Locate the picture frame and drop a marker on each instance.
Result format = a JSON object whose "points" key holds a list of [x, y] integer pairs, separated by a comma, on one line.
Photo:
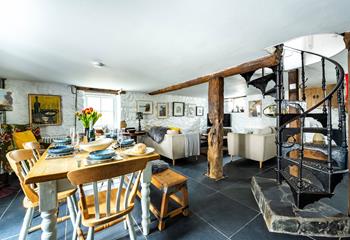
{"points": [[255, 108], [178, 109], [191, 110], [162, 110], [144, 106], [45, 110], [199, 111], [6, 100]]}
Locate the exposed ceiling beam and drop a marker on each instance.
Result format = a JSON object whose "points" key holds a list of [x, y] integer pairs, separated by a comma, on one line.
{"points": [[99, 90], [267, 61]]}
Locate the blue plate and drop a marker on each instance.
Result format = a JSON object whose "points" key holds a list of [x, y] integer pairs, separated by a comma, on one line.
{"points": [[62, 140], [127, 141], [60, 149], [101, 154]]}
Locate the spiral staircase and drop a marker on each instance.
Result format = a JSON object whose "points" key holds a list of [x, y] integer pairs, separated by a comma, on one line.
{"points": [[313, 178]]}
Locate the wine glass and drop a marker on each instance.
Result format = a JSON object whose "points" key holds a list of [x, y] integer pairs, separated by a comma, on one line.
{"points": [[120, 137], [72, 135]]}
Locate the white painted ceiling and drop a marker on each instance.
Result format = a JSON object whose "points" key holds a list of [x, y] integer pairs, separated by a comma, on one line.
{"points": [[147, 45]]}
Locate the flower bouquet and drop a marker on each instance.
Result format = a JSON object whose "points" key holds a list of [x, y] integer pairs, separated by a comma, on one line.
{"points": [[88, 118]]}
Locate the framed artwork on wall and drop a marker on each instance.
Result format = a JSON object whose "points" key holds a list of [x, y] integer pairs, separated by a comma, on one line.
{"points": [[191, 110], [162, 110], [6, 100], [146, 107], [199, 111], [255, 108], [45, 109], [178, 109]]}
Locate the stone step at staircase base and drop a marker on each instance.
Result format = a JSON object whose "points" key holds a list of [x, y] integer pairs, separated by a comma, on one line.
{"points": [[282, 216]]}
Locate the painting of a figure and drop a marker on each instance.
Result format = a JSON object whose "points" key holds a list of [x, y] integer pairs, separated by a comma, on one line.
{"points": [[45, 109]]}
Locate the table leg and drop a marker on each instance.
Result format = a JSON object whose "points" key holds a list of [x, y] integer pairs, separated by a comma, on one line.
{"points": [[48, 208], [145, 199]]}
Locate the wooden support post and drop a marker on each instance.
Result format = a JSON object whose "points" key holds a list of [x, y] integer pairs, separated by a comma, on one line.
{"points": [[215, 136], [347, 45], [293, 94]]}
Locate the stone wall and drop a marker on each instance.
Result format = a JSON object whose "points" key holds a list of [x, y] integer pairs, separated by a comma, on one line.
{"points": [[20, 90], [128, 111]]}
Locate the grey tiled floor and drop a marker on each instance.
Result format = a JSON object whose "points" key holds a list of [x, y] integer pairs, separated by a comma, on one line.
{"points": [[219, 210]]}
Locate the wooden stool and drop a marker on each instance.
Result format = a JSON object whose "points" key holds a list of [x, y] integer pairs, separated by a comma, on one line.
{"points": [[170, 182]]}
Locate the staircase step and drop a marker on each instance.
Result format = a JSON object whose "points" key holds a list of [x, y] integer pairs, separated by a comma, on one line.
{"points": [[317, 165], [338, 155], [307, 193], [262, 82], [271, 92], [320, 117], [336, 133]]}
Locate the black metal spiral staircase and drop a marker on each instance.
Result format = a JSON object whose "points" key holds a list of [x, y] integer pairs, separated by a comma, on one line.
{"points": [[315, 178]]}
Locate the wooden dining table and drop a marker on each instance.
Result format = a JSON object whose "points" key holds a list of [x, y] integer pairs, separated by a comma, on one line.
{"points": [[50, 174]]}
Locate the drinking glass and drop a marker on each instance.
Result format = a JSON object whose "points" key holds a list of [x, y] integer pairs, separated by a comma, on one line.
{"points": [[72, 135]]}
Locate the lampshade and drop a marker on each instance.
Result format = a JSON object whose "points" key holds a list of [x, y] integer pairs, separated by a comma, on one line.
{"points": [[123, 124], [139, 115]]}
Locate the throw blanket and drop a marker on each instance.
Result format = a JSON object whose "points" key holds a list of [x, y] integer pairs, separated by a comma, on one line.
{"points": [[157, 133], [192, 144], [159, 166]]}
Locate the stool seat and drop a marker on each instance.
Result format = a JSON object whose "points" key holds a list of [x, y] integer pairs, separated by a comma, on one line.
{"points": [[170, 183], [167, 178]]}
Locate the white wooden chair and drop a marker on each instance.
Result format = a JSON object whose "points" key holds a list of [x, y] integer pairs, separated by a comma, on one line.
{"points": [[21, 162], [105, 208], [35, 147]]}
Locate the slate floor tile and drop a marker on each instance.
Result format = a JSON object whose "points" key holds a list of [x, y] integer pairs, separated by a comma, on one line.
{"points": [[225, 214], [191, 227], [242, 193]]}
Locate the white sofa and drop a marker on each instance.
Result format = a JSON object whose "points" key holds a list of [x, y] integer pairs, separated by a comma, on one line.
{"points": [[257, 147], [172, 147]]}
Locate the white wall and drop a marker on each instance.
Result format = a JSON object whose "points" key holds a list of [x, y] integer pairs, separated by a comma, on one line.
{"points": [[241, 121], [128, 111], [20, 90]]}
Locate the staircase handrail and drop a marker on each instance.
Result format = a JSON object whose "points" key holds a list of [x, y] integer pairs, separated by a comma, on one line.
{"points": [[340, 81]]}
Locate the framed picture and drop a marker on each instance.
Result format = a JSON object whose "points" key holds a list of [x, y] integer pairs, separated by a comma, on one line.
{"points": [[45, 109], [255, 108], [6, 100], [199, 111], [146, 107], [162, 110], [191, 110], [178, 109]]}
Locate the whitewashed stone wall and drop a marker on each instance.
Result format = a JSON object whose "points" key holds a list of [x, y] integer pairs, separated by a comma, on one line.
{"points": [[20, 90], [240, 122], [128, 111]]}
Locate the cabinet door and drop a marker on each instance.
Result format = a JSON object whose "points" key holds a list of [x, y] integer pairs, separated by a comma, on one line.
{"points": [[313, 96]]}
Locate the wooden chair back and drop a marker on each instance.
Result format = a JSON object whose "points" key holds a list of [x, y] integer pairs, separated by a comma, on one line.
{"points": [[35, 147], [21, 161], [126, 175]]}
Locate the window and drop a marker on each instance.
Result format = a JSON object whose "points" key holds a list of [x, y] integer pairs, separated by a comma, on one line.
{"points": [[107, 105]]}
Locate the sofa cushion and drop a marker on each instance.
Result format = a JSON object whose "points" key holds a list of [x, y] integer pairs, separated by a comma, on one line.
{"points": [[262, 131], [22, 137], [172, 132], [177, 129]]}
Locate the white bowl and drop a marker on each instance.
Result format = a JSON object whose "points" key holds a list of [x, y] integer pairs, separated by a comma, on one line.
{"points": [[99, 144]]}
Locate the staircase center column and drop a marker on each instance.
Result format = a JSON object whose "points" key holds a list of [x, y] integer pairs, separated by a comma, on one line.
{"points": [[215, 136]]}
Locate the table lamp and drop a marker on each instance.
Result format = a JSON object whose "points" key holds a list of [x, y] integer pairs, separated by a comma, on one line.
{"points": [[123, 124], [139, 116]]}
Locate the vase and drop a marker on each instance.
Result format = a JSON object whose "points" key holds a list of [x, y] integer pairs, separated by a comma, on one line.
{"points": [[87, 133], [91, 135]]}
